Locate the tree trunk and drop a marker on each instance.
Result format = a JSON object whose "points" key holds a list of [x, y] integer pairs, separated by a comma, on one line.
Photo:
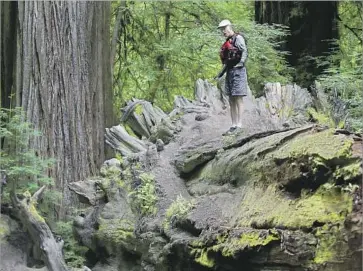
{"points": [[8, 40], [312, 25], [63, 82]]}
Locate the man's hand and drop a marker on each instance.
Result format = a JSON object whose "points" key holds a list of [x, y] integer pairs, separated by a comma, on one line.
{"points": [[221, 73]]}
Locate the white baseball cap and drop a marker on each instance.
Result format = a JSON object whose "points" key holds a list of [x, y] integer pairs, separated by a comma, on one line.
{"points": [[224, 23]]}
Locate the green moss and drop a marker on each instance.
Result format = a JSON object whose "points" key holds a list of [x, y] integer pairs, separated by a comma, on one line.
{"points": [[323, 206], [324, 144], [110, 185], [117, 232], [348, 172], [2, 231], [35, 213], [226, 167], [195, 157], [27, 195], [250, 162], [264, 205], [113, 180], [229, 139], [331, 246], [120, 158], [259, 177], [32, 206], [203, 259], [253, 239], [324, 250], [346, 148], [230, 245], [315, 152], [138, 109], [129, 130]]}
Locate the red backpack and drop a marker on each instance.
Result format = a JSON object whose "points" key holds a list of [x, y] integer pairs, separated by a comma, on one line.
{"points": [[229, 53]]}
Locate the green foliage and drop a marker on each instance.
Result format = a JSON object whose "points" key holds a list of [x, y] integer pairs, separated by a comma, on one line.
{"points": [[24, 168], [321, 118], [74, 254], [349, 172], [50, 198], [178, 210], [343, 75], [164, 47], [144, 197]]}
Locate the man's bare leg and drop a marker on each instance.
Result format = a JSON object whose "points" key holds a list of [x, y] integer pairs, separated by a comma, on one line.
{"points": [[234, 112], [239, 109]]}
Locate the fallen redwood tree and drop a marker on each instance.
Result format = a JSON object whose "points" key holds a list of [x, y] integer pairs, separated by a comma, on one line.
{"points": [[284, 193], [281, 194], [44, 244]]}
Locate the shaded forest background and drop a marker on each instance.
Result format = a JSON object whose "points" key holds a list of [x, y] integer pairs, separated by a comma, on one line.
{"points": [[71, 67]]}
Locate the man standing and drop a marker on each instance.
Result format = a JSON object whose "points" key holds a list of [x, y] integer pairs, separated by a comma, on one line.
{"points": [[233, 56]]}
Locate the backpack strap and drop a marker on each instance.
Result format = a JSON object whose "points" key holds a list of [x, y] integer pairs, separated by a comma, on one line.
{"points": [[234, 37]]}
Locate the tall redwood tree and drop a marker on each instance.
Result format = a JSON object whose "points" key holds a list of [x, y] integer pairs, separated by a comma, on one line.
{"points": [[55, 61]]}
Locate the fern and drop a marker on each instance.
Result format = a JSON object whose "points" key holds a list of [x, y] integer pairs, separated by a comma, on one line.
{"points": [[24, 169]]}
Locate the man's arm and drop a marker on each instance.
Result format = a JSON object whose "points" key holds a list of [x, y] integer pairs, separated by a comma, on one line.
{"points": [[241, 45], [221, 73]]}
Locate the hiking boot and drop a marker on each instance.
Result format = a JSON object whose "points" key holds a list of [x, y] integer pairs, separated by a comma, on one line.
{"points": [[231, 130]]}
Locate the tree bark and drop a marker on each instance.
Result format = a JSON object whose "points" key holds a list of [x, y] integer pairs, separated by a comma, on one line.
{"points": [[8, 39], [63, 82]]}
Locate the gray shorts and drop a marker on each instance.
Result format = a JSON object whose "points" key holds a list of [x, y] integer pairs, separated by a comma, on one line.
{"points": [[236, 82]]}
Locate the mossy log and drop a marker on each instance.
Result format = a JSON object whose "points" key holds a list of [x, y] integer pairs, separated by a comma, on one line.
{"points": [[40, 233], [279, 194]]}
